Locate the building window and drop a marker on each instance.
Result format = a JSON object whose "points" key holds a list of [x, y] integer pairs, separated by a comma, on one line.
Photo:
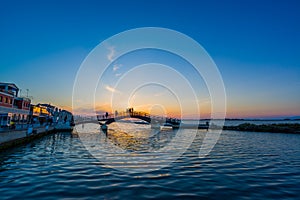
{"points": [[1, 99], [5, 100]]}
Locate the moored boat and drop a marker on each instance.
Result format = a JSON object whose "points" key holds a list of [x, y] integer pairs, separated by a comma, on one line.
{"points": [[166, 127]]}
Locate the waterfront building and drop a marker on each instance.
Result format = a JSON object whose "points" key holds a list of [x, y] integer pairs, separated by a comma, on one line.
{"points": [[40, 114], [47, 113], [13, 108]]}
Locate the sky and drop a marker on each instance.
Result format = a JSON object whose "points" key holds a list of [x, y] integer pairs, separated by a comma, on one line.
{"points": [[254, 44]]}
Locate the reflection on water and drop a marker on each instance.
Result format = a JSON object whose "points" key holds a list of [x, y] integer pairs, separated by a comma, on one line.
{"points": [[242, 165], [139, 137], [135, 148]]}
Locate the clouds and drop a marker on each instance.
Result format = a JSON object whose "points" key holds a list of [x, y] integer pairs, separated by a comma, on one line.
{"points": [[116, 67], [111, 89], [159, 94], [111, 54]]}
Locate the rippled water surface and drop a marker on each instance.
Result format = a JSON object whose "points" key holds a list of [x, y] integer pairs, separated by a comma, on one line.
{"points": [[242, 165]]}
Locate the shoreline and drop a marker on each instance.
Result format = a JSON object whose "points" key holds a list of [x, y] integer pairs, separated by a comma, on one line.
{"points": [[271, 128], [13, 138], [250, 127]]}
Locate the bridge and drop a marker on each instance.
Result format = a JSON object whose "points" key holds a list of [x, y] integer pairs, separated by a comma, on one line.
{"points": [[154, 120], [151, 119]]}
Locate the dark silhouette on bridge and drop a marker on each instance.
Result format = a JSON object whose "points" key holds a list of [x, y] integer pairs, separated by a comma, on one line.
{"points": [[151, 119]]}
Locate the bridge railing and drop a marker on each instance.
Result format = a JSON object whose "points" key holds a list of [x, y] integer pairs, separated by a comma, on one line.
{"points": [[137, 114]]}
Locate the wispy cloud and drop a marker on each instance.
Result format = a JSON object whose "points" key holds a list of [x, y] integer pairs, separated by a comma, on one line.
{"points": [[111, 89], [116, 67], [144, 107], [111, 54], [159, 94], [100, 109], [204, 100]]}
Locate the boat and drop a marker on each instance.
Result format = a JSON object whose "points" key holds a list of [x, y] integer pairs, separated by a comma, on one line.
{"points": [[141, 122], [166, 127]]}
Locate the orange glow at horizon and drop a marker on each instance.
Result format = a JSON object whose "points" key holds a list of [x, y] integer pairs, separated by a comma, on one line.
{"points": [[164, 106], [205, 111], [262, 110], [166, 110]]}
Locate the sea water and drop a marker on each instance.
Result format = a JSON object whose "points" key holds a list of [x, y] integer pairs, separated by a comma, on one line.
{"points": [[242, 165]]}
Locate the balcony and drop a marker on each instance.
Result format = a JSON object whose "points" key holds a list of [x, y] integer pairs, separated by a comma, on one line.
{"points": [[8, 92]]}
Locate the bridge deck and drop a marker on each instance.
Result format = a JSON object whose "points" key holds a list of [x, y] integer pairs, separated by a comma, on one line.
{"points": [[138, 115]]}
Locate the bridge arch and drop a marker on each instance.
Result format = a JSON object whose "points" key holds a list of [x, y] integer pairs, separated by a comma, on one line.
{"points": [[137, 115], [111, 120]]}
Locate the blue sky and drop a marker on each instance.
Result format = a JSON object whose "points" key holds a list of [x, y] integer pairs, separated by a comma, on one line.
{"points": [[255, 44]]}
